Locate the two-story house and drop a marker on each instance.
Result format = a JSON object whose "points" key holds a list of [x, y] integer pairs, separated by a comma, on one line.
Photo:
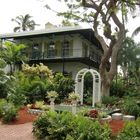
{"points": [[62, 49]]}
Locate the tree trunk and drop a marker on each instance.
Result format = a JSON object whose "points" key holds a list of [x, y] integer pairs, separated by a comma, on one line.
{"points": [[105, 89], [107, 75]]}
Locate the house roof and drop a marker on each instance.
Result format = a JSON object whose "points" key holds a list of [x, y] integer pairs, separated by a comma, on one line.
{"points": [[88, 33]]}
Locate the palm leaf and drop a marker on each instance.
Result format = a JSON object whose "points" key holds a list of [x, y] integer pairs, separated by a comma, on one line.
{"points": [[136, 31]]}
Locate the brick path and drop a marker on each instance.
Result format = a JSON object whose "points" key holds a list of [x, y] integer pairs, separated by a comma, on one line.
{"points": [[16, 132]]}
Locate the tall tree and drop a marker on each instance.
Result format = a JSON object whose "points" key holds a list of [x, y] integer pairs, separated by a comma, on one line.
{"points": [[24, 23], [107, 18], [11, 54], [129, 62]]}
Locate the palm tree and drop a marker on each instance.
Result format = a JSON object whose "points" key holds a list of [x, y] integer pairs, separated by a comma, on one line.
{"points": [[11, 54], [24, 23], [136, 31]]}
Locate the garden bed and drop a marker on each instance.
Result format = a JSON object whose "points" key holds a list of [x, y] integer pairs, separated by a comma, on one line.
{"points": [[24, 117]]}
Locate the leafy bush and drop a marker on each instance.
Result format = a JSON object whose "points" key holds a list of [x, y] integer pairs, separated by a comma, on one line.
{"points": [[131, 131], [17, 98], [33, 88], [9, 113], [60, 126], [3, 102], [63, 85], [36, 91], [117, 89], [109, 100], [130, 107]]}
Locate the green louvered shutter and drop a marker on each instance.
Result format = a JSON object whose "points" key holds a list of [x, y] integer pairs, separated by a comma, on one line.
{"points": [[71, 48], [58, 48]]}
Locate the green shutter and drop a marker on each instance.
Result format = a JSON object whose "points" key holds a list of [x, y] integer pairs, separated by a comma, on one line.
{"points": [[45, 50], [58, 48], [71, 48]]}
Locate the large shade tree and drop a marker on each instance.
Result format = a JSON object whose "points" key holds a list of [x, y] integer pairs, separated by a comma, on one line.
{"points": [[25, 23], [107, 17]]}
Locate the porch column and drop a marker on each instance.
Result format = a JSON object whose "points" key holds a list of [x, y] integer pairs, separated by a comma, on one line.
{"points": [[42, 49]]}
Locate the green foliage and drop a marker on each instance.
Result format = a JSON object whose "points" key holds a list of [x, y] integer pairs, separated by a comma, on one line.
{"points": [[63, 85], [36, 91], [11, 54], [37, 70], [74, 96], [5, 80], [130, 107], [88, 88], [16, 97], [131, 131], [129, 62], [60, 126], [112, 100], [118, 89], [3, 102], [9, 113], [33, 87]]}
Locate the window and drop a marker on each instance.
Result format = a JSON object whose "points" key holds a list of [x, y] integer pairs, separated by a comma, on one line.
{"points": [[66, 49], [51, 50], [35, 51]]}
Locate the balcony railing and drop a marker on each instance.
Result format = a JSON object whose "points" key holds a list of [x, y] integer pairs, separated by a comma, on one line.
{"points": [[75, 53]]}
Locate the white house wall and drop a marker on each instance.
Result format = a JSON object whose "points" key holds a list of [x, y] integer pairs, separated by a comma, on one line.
{"points": [[70, 67]]}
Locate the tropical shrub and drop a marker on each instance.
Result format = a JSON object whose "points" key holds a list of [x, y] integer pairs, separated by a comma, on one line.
{"points": [[16, 97], [65, 125], [31, 87], [9, 113], [63, 85], [3, 102], [36, 91], [5, 80], [110, 100], [117, 88], [131, 131], [130, 107], [34, 81], [37, 70]]}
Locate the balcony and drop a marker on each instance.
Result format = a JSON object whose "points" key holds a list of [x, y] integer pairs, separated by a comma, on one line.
{"points": [[56, 54], [70, 55]]}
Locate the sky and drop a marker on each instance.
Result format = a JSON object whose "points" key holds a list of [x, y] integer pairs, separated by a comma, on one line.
{"points": [[11, 8]]}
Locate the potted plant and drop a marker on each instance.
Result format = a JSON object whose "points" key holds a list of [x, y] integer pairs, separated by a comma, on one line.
{"points": [[74, 97], [104, 117], [52, 95]]}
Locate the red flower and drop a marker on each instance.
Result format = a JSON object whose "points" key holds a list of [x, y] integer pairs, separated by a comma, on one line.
{"points": [[93, 113]]}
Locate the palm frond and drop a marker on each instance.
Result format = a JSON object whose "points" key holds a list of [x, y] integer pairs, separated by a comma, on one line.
{"points": [[136, 31], [16, 29]]}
